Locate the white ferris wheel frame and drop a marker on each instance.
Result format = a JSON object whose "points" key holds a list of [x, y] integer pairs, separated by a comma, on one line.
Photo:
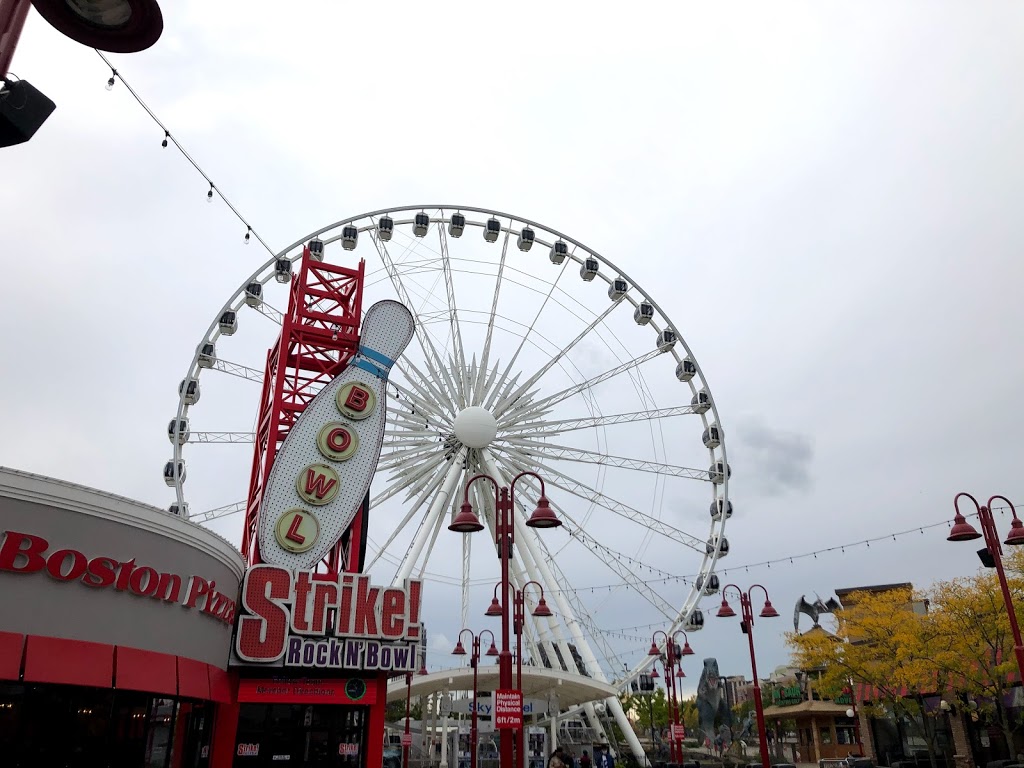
{"points": [[578, 253]]}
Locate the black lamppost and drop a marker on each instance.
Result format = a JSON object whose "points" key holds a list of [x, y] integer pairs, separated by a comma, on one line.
{"points": [[474, 661], [747, 626], [466, 521]]}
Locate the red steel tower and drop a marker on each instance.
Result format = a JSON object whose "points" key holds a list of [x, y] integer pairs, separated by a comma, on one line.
{"points": [[319, 335]]}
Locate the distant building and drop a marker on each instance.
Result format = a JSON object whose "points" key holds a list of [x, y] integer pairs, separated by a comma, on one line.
{"points": [[737, 690]]}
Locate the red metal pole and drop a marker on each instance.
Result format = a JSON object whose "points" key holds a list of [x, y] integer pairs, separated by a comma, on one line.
{"points": [[988, 528], [748, 618], [504, 504], [475, 660], [408, 702], [12, 19], [520, 619]]}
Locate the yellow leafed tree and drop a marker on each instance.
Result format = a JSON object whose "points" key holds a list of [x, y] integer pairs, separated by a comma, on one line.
{"points": [[885, 640], [980, 662]]}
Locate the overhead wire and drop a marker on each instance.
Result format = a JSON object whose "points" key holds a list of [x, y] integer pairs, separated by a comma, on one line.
{"points": [[169, 137]]}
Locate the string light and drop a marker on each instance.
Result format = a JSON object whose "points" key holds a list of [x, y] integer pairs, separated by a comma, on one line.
{"points": [[247, 236], [171, 139]]}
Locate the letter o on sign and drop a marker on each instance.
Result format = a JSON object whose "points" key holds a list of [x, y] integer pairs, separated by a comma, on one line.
{"points": [[337, 441]]}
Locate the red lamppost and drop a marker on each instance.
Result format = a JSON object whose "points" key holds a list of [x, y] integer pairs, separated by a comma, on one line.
{"points": [[518, 623], [964, 531], [407, 741], [504, 536], [747, 626], [673, 660], [474, 661], [852, 713]]}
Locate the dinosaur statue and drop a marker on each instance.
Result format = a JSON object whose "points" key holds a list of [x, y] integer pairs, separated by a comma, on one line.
{"points": [[711, 703], [816, 609]]}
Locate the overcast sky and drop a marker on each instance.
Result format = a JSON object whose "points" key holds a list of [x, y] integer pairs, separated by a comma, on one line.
{"points": [[825, 197]]}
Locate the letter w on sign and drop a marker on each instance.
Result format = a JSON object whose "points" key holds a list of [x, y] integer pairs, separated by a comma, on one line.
{"points": [[318, 484]]}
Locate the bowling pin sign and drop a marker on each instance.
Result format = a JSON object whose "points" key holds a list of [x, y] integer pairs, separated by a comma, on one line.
{"points": [[323, 471]]}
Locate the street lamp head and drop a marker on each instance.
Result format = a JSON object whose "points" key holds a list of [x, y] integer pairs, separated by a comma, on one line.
{"points": [[466, 521], [543, 516], [654, 650], [1016, 534], [118, 26], [725, 610], [687, 650], [492, 651], [680, 673], [849, 712], [542, 609], [423, 670], [654, 674], [962, 530], [769, 612], [494, 609], [459, 649]]}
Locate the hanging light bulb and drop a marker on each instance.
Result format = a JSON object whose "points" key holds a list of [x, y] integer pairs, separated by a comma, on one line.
{"points": [[110, 82], [164, 142], [209, 195], [247, 235]]}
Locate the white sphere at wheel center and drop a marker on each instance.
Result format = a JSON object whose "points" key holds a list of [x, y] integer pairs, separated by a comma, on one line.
{"points": [[475, 427]]}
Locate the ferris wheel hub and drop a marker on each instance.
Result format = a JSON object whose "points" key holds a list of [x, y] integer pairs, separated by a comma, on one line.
{"points": [[475, 427]]}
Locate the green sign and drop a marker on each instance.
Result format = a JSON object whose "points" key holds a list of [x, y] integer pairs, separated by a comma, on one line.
{"points": [[784, 696]]}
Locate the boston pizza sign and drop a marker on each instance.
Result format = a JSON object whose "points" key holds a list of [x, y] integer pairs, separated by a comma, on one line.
{"points": [[323, 471]]}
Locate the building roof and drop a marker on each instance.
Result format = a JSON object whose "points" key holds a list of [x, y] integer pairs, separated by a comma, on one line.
{"points": [[538, 683], [813, 707]]}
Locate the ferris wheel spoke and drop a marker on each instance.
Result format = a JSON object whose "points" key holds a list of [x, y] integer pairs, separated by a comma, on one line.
{"points": [[431, 358], [221, 437], [417, 398], [437, 506], [453, 312], [481, 387], [546, 450], [550, 428], [586, 493], [555, 359], [213, 514], [413, 508], [234, 369], [535, 409], [269, 312], [529, 330], [430, 396]]}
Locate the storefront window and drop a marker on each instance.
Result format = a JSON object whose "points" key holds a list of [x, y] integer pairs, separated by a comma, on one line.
{"points": [[43, 725], [826, 735]]}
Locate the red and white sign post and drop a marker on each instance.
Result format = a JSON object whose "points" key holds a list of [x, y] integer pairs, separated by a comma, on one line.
{"points": [[508, 710], [678, 732]]}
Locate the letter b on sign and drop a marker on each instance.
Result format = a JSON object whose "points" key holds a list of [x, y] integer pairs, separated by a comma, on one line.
{"points": [[356, 401]]}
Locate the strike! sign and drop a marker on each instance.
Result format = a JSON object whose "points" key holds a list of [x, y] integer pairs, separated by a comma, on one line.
{"points": [[337, 620]]}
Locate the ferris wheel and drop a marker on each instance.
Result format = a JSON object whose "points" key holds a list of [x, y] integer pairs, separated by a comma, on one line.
{"points": [[532, 352]]}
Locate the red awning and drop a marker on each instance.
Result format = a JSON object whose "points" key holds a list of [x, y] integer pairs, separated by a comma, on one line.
{"points": [[139, 670], [71, 662], [193, 679], [12, 648], [221, 689]]}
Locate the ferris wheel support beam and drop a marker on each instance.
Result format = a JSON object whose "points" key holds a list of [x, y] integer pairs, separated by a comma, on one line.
{"points": [[435, 480], [530, 447], [551, 428], [585, 492], [437, 507], [529, 538]]}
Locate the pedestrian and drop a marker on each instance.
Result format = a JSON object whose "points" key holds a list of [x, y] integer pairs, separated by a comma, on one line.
{"points": [[555, 761], [607, 761], [569, 759], [585, 760]]}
